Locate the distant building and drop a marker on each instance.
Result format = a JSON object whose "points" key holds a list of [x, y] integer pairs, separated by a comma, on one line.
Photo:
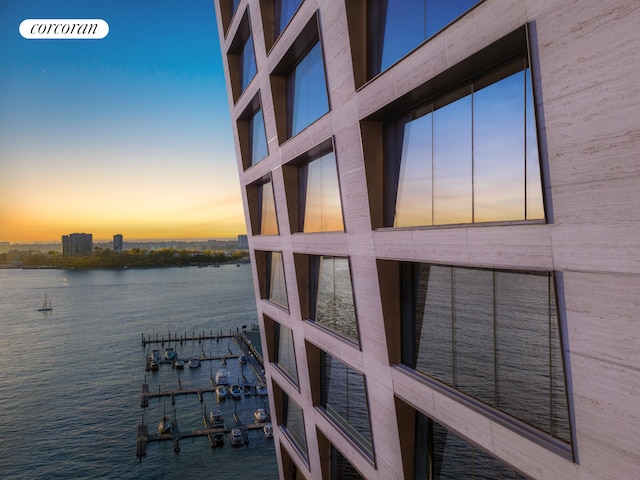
{"points": [[117, 243], [243, 241], [77, 244]]}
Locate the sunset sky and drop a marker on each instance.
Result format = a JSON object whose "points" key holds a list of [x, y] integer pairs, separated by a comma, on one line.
{"points": [[129, 134]]}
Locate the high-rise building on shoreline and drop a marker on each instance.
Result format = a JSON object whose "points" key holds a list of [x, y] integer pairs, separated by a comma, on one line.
{"points": [[118, 243], [77, 244], [442, 213]]}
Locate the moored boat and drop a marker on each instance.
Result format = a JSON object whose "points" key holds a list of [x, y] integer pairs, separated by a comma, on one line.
{"points": [[235, 436], [222, 377], [164, 426], [235, 391], [268, 430], [261, 388], [215, 418], [260, 415], [194, 363], [179, 364], [221, 392], [169, 354]]}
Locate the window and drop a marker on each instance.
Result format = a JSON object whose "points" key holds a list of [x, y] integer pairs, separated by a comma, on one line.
{"points": [[294, 424], [268, 219], [443, 455], [257, 138], [396, 27], [468, 156], [285, 351], [331, 295], [320, 204], [241, 57], [284, 12], [492, 334], [247, 63], [276, 286], [307, 98], [344, 398], [341, 469]]}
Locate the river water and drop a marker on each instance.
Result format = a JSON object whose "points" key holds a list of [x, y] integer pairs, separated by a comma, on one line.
{"points": [[71, 378]]}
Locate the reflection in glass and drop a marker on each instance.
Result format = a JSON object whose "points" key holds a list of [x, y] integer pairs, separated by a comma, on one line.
{"points": [[294, 423], [415, 189], [308, 91], [268, 219], [322, 204], [452, 163], [334, 305], [498, 150], [345, 400], [341, 469], [277, 286], [443, 455], [285, 352], [286, 10], [408, 23], [535, 205], [258, 138], [247, 63], [493, 335], [473, 160]]}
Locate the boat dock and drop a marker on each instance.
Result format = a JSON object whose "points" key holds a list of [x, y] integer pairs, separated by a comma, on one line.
{"points": [[248, 368]]}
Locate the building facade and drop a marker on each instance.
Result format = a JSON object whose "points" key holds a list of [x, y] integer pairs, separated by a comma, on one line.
{"points": [[442, 215], [77, 244], [118, 243]]}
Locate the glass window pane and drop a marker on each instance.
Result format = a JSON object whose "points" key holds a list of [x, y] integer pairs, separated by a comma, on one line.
{"points": [[323, 206], [247, 63], [455, 458], [535, 205], [404, 29], [277, 284], [334, 304], [434, 307], [286, 355], [287, 9], [341, 468], [494, 335], [440, 14], [414, 199], [268, 221], [498, 150], [294, 423], [310, 99], [258, 138], [452, 163], [473, 333], [346, 401]]}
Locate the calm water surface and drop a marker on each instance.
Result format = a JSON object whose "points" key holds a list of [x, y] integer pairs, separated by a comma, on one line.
{"points": [[71, 378]]}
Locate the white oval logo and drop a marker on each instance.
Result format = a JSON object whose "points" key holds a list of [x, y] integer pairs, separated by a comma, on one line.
{"points": [[64, 29]]}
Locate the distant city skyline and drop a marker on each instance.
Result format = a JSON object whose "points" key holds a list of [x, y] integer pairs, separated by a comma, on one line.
{"points": [[129, 134]]}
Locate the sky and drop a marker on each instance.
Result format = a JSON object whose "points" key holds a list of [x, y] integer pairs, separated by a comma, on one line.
{"points": [[128, 134]]}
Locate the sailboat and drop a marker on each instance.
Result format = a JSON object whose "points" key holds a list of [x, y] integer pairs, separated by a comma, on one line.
{"points": [[46, 305]]}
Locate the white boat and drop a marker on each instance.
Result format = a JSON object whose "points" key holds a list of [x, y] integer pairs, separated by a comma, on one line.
{"points": [[216, 419], [155, 356], [261, 388], [46, 305], [221, 392], [260, 415], [235, 437], [165, 425], [179, 364], [169, 354], [194, 363], [222, 377], [235, 391], [268, 430]]}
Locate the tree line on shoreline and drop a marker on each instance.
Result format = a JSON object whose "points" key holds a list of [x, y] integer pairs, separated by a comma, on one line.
{"points": [[134, 258]]}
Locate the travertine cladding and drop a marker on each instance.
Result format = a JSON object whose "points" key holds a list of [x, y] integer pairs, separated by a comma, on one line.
{"points": [[585, 62]]}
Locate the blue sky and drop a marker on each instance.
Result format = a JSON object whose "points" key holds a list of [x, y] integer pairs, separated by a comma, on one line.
{"points": [[128, 134]]}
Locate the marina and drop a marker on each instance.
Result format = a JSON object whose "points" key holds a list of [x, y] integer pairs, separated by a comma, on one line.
{"points": [[235, 383]]}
